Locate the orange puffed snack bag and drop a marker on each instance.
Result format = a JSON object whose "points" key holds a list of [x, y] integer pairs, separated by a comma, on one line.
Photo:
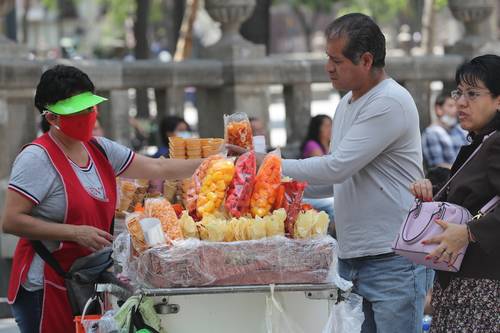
{"points": [[213, 188], [238, 130], [267, 182], [161, 209]]}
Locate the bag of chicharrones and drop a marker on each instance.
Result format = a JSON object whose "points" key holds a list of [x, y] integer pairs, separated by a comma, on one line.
{"points": [[237, 130]]}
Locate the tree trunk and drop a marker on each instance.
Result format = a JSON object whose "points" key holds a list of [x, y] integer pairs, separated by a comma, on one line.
{"points": [[428, 27], [306, 27], [141, 51], [256, 28]]}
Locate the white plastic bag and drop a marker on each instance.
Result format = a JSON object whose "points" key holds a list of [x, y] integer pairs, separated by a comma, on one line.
{"points": [[346, 316], [277, 321]]}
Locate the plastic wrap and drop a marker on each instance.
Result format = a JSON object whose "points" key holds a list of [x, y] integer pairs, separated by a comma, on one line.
{"points": [[239, 192], [238, 130], [194, 263], [122, 257], [346, 316], [267, 182]]}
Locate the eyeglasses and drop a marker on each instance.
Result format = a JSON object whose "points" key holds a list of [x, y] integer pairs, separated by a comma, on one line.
{"points": [[469, 95]]}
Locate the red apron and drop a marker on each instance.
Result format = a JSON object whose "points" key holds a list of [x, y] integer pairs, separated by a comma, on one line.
{"points": [[81, 209]]}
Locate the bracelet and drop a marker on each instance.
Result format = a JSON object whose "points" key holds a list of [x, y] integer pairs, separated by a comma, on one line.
{"points": [[470, 236]]}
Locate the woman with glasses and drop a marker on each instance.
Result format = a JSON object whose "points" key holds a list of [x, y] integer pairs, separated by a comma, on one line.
{"points": [[469, 300], [62, 191]]}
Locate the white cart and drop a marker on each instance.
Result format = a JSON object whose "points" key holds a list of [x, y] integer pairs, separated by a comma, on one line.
{"points": [[240, 309]]}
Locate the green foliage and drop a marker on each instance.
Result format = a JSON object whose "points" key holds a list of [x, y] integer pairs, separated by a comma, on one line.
{"points": [[382, 11]]}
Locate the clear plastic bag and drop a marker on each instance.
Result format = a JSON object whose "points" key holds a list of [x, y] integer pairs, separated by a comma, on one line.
{"points": [[239, 191], [266, 186], [346, 316], [238, 130], [277, 320]]}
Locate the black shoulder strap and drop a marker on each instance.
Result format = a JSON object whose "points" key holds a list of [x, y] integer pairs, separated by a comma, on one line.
{"points": [[45, 254], [98, 146]]}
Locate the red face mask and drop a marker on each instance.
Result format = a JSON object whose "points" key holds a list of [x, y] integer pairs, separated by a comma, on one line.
{"points": [[79, 126]]}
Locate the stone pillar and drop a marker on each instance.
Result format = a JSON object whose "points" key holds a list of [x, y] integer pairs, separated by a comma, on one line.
{"points": [[420, 91], [232, 97], [298, 98], [119, 129]]}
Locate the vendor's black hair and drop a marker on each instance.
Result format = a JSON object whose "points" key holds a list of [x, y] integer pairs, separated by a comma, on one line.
{"points": [[60, 82]]}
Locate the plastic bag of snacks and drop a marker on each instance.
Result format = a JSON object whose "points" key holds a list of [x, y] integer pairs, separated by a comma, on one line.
{"points": [[214, 185], [130, 193], [240, 190], [238, 130], [195, 184], [135, 231], [266, 185], [310, 224], [289, 196], [161, 209]]}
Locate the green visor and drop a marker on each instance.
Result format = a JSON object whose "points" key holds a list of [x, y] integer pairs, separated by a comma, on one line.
{"points": [[75, 103]]}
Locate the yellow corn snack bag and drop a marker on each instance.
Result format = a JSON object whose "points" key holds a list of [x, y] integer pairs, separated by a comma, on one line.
{"points": [[188, 226], [213, 188], [303, 225], [320, 227], [275, 223], [214, 228], [256, 228]]}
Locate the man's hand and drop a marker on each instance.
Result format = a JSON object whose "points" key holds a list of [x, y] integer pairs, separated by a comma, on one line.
{"points": [[92, 237]]}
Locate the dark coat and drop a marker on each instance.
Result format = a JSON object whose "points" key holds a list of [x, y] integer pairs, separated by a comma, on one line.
{"points": [[476, 184]]}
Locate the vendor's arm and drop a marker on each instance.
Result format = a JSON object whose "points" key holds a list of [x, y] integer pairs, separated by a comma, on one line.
{"points": [[16, 220], [486, 230], [161, 168], [381, 123], [130, 165]]}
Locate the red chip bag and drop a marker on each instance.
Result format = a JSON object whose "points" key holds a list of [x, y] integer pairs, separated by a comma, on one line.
{"points": [[292, 202], [239, 192]]}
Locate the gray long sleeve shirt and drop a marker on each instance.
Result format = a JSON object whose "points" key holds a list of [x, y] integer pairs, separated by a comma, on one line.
{"points": [[375, 154]]}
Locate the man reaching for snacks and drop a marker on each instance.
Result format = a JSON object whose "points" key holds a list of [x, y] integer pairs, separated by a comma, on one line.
{"points": [[375, 154]]}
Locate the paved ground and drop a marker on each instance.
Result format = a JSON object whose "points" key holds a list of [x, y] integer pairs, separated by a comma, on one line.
{"points": [[8, 326]]}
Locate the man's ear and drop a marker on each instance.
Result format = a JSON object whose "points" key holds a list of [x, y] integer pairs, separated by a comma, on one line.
{"points": [[366, 60]]}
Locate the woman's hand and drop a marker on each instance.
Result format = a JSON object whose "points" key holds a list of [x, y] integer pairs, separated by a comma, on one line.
{"points": [[91, 237], [422, 189], [451, 241]]}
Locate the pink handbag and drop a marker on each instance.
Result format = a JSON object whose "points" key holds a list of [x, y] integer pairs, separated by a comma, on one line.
{"points": [[419, 225]]}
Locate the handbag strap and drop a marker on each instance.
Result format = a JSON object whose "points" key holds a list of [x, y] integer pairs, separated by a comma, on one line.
{"points": [[461, 167], [489, 206], [45, 254]]}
